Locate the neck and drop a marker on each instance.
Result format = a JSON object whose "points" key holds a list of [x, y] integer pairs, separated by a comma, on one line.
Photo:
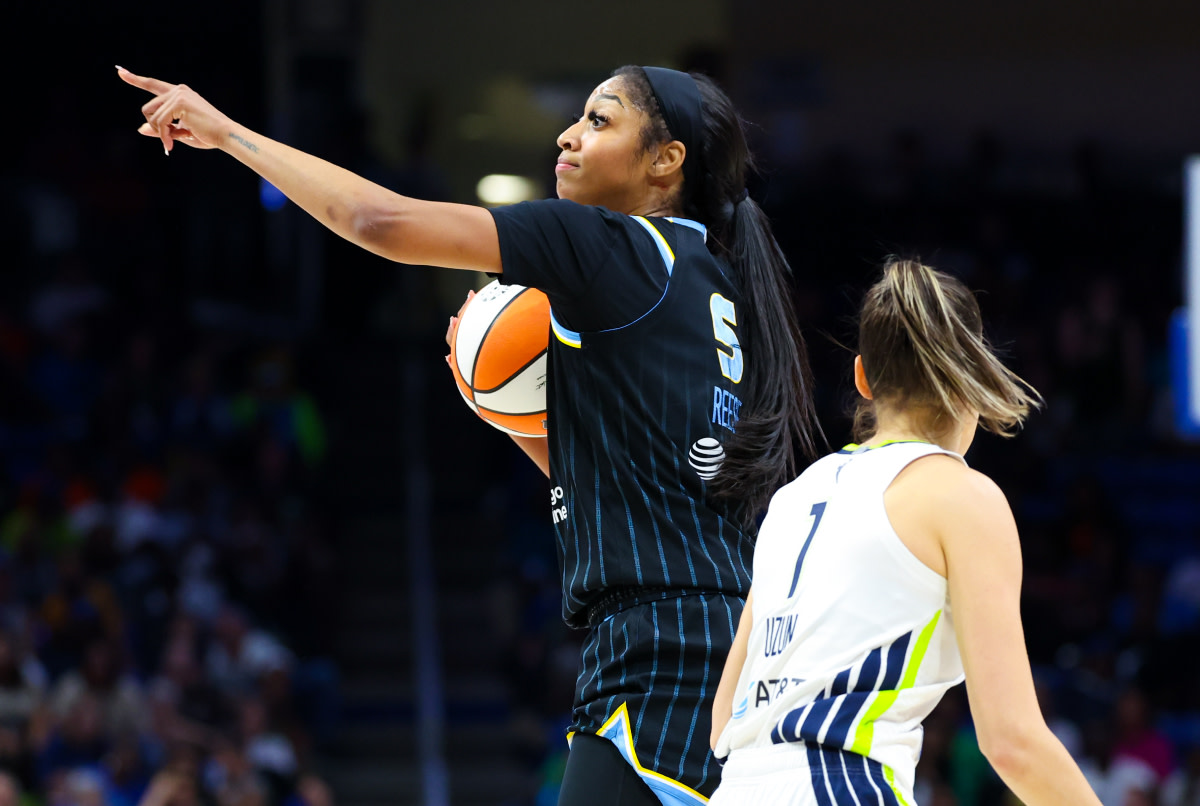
{"points": [[883, 435], [654, 210], [901, 429], [658, 212], [659, 202]]}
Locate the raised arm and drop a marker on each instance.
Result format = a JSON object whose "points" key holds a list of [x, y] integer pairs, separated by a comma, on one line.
{"points": [[396, 227], [978, 535]]}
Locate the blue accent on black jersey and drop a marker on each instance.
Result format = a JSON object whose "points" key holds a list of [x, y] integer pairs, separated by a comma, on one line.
{"points": [[628, 401], [635, 379]]}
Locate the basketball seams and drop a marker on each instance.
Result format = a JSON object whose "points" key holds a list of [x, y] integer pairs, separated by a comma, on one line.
{"points": [[514, 375], [488, 340], [487, 332], [512, 340]]}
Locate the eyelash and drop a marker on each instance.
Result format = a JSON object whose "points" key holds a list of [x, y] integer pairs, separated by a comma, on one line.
{"points": [[595, 118]]}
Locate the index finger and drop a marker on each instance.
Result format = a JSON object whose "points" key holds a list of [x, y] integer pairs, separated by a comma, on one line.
{"points": [[152, 85]]}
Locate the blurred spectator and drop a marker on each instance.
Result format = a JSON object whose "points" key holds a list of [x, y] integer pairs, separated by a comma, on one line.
{"points": [[1131, 782], [310, 586], [22, 690], [37, 525], [10, 790], [138, 518], [172, 788], [232, 778], [1182, 787], [82, 786], [274, 407], [17, 625], [67, 379], [311, 790], [72, 296], [1182, 593], [187, 703], [101, 676], [76, 611], [77, 740], [240, 654], [1063, 728], [267, 749], [253, 558], [201, 594], [132, 409], [126, 770], [148, 581], [201, 415], [1101, 360], [1138, 739]]}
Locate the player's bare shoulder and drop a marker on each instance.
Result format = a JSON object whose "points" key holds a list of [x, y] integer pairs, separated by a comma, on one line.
{"points": [[944, 483], [936, 496], [928, 480]]}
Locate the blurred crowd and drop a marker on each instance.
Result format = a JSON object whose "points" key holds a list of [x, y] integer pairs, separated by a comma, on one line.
{"points": [[167, 585], [166, 581]]}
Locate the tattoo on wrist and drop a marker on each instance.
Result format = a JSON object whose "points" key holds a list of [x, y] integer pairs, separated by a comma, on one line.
{"points": [[245, 142]]}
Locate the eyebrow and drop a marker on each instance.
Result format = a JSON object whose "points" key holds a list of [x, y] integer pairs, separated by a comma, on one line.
{"points": [[604, 96]]}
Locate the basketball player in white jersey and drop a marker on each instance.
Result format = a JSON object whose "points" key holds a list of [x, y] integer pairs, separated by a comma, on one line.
{"points": [[882, 574]]}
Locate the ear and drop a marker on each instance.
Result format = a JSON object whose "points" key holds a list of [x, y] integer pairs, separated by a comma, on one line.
{"points": [[668, 160], [860, 378]]}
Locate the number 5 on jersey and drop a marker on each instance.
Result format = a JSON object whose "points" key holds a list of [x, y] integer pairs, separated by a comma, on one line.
{"points": [[724, 318], [817, 511]]}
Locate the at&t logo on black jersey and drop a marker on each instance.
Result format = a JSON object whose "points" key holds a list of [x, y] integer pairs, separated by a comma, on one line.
{"points": [[705, 457]]}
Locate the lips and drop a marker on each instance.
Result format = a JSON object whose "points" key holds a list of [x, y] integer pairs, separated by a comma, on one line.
{"points": [[564, 165]]}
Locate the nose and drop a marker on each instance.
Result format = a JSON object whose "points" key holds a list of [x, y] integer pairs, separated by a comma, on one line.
{"points": [[569, 139]]}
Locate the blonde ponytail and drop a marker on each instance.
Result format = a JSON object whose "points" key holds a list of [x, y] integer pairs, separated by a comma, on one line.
{"points": [[922, 346]]}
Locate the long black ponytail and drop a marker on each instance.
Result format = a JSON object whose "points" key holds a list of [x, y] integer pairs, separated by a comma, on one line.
{"points": [[778, 427]]}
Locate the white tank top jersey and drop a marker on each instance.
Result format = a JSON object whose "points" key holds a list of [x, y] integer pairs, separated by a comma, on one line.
{"points": [[852, 643]]}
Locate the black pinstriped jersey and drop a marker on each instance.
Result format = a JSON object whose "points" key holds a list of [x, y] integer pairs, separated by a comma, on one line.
{"points": [[643, 388]]}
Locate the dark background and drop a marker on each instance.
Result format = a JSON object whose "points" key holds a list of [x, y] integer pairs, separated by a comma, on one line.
{"points": [[254, 549]]}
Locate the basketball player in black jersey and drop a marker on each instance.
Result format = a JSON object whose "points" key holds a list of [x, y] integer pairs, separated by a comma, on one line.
{"points": [[679, 396]]}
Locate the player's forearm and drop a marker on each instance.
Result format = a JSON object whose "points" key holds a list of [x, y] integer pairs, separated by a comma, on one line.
{"points": [[352, 207], [723, 705], [537, 449], [734, 661], [1037, 768]]}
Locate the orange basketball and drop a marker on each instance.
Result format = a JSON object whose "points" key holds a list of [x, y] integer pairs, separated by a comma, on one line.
{"points": [[498, 356]]}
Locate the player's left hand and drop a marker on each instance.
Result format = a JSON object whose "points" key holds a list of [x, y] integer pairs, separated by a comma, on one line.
{"points": [[177, 112]]}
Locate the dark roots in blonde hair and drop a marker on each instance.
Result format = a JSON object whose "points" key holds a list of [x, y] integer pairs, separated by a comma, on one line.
{"points": [[921, 338]]}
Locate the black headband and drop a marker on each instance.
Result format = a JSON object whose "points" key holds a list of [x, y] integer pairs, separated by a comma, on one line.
{"points": [[679, 102]]}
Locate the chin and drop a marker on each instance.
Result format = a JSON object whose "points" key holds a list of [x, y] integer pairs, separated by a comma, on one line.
{"points": [[564, 192]]}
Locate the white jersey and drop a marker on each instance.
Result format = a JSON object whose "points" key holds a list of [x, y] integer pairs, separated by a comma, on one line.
{"points": [[852, 642]]}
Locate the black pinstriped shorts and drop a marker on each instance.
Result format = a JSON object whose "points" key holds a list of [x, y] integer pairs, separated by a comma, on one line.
{"points": [[648, 676]]}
